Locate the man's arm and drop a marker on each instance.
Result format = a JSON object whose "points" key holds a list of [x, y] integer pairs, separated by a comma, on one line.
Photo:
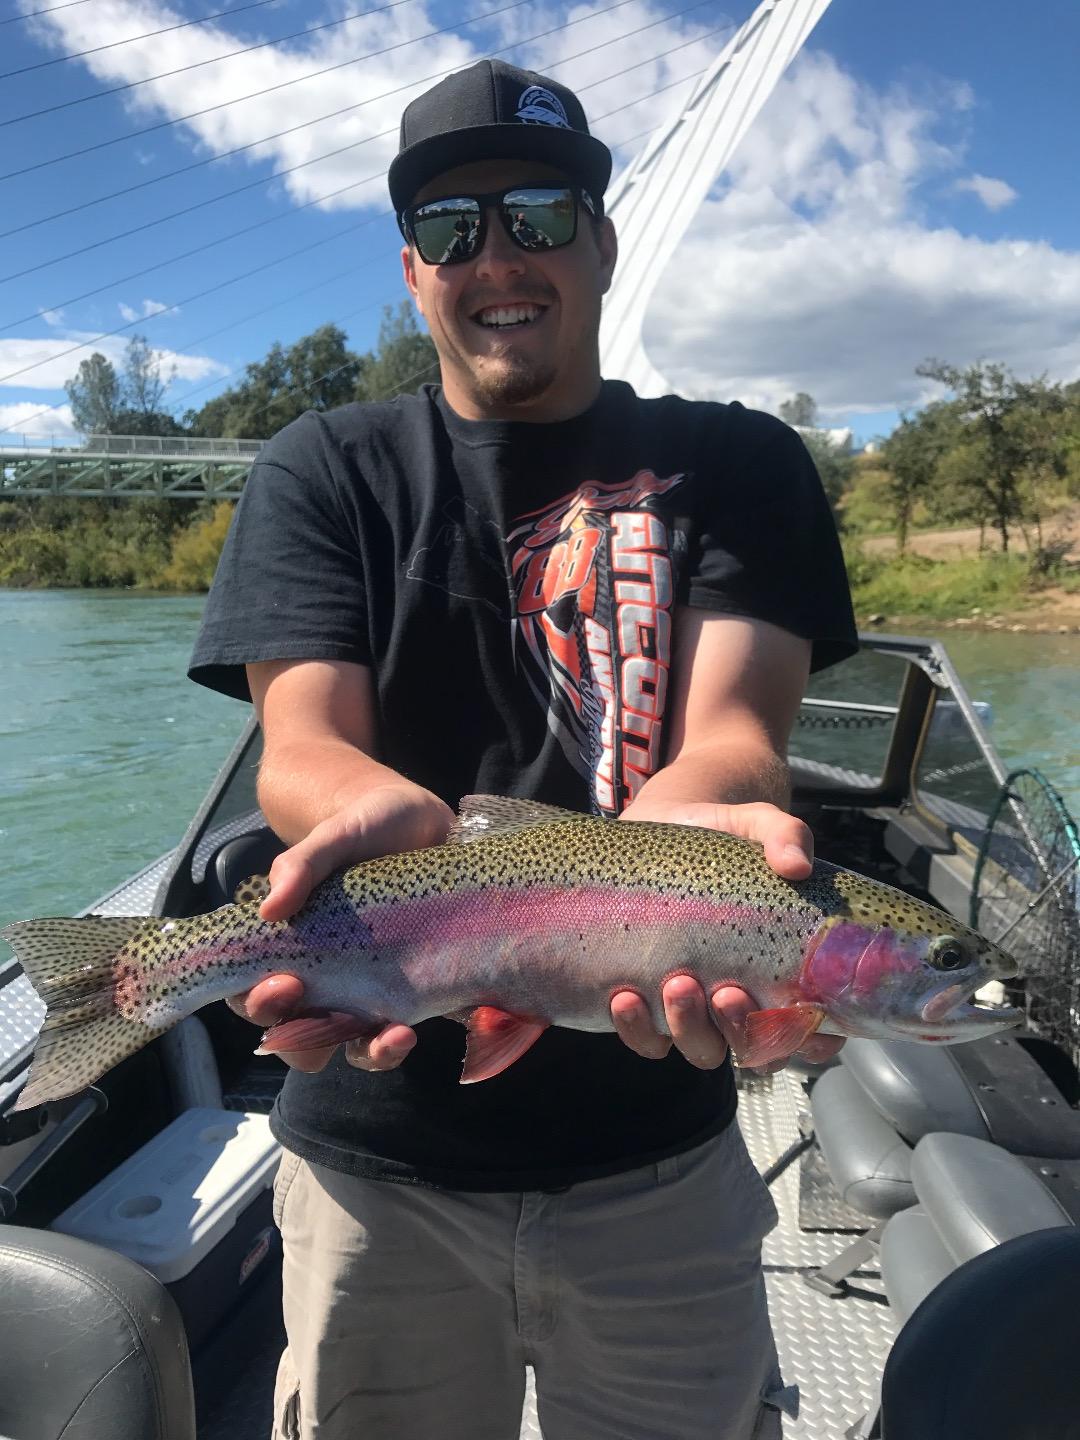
{"points": [[736, 688], [321, 788]]}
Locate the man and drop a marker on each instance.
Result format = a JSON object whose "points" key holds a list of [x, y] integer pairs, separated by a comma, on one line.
{"points": [[524, 582]]}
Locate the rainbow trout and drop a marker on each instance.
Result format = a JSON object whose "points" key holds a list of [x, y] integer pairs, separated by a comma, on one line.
{"points": [[528, 916]]}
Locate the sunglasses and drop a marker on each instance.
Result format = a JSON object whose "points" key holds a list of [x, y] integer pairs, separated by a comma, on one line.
{"points": [[453, 230]]}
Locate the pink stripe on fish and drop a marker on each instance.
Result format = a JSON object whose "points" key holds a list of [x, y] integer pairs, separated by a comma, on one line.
{"points": [[533, 911]]}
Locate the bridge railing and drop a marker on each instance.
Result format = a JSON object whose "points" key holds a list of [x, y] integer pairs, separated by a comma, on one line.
{"points": [[179, 445]]}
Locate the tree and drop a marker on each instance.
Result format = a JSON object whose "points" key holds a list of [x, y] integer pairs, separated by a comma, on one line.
{"points": [[315, 373], [801, 410], [1010, 447], [405, 359], [95, 396], [103, 403], [833, 460], [913, 454]]}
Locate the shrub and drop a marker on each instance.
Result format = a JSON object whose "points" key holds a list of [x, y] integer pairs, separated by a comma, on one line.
{"points": [[196, 551]]}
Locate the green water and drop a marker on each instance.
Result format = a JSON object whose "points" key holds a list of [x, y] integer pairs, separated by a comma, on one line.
{"points": [[106, 748]]}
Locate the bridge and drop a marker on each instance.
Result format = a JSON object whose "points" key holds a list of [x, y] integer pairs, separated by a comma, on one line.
{"points": [[128, 467]]}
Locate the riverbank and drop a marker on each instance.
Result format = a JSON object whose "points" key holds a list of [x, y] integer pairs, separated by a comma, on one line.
{"points": [[945, 578]]}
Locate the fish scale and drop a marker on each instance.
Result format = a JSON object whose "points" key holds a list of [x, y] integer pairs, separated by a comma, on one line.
{"points": [[529, 916]]}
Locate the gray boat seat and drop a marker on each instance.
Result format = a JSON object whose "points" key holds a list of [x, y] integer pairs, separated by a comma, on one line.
{"points": [[913, 1260], [991, 1089], [991, 1352], [869, 1163], [92, 1345], [979, 1196], [972, 1197]]}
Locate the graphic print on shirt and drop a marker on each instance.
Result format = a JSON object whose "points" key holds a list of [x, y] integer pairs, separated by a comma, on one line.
{"points": [[594, 592]]}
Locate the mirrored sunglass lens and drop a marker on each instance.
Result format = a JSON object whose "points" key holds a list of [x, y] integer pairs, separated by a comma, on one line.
{"points": [[446, 230], [540, 219]]}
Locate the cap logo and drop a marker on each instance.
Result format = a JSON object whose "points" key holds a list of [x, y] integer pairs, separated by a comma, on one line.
{"points": [[538, 106]]}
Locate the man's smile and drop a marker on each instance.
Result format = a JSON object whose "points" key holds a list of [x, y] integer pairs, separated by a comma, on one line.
{"points": [[515, 315]]}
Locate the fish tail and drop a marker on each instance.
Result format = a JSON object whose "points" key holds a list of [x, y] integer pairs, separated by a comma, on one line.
{"points": [[73, 966]]}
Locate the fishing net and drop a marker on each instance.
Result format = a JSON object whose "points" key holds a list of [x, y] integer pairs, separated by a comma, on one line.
{"points": [[1026, 897]]}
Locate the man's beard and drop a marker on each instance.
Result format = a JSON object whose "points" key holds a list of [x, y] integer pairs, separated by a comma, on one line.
{"points": [[512, 380]]}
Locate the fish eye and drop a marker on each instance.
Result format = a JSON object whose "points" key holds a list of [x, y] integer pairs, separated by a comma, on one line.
{"points": [[945, 954]]}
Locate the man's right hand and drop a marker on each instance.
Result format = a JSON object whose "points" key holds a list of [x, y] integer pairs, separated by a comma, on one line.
{"points": [[389, 818]]}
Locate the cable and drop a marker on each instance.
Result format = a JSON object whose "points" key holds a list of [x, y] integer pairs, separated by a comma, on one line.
{"points": [[230, 55], [331, 154], [29, 14], [239, 149], [121, 329], [146, 35], [198, 295]]}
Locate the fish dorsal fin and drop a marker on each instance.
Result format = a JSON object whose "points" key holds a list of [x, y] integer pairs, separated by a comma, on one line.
{"points": [[480, 816]]}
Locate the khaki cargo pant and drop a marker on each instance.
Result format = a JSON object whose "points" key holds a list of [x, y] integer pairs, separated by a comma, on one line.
{"points": [[639, 1300]]}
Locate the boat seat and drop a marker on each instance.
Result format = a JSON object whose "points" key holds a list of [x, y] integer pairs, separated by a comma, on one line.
{"points": [[991, 1089], [913, 1260], [886, 1095], [869, 1163], [237, 860], [92, 1345], [972, 1197], [991, 1351]]}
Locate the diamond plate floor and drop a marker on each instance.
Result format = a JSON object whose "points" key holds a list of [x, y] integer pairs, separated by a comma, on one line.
{"points": [[833, 1350]]}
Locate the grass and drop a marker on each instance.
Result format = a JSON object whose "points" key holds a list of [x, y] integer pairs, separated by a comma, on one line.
{"points": [[940, 589]]}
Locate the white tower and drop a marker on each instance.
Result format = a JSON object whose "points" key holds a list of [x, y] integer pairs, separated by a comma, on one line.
{"points": [[654, 199]]}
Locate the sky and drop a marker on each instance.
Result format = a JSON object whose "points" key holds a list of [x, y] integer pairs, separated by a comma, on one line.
{"points": [[909, 190]]}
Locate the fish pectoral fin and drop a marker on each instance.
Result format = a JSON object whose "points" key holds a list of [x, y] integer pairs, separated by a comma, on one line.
{"points": [[316, 1028], [496, 1040], [775, 1034]]}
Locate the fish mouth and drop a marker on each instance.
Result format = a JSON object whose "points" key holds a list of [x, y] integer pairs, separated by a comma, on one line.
{"points": [[958, 1005]]}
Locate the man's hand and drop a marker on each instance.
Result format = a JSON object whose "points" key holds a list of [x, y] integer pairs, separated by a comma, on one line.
{"points": [[703, 1029], [390, 818]]}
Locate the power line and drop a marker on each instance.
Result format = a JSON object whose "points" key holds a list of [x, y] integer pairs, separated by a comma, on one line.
{"points": [[331, 154], [198, 295], [238, 149], [115, 44], [229, 55], [121, 329], [29, 14]]}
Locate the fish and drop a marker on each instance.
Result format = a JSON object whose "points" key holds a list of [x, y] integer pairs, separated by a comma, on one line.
{"points": [[527, 916]]}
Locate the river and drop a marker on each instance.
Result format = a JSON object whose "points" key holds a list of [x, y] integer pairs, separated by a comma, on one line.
{"points": [[106, 748]]}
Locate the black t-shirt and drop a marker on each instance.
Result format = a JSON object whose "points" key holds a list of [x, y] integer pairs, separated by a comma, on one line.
{"points": [[513, 586]]}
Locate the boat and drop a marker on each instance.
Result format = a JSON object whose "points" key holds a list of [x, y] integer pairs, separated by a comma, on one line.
{"points": [[168, 1160]]}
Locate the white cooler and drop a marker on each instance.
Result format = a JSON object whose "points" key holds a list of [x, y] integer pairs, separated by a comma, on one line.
{"points": [[194, 1207]]}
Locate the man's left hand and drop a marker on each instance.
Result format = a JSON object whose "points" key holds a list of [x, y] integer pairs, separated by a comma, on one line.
{"points": [[702, 1029]]}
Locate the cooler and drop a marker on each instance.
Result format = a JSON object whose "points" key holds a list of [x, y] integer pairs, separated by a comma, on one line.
{"points": [[194, 1207]]}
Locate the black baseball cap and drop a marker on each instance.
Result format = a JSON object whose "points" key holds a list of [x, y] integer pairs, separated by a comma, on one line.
{"points": [[494, 111]]}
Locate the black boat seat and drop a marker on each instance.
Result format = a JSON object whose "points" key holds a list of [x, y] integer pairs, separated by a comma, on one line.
{"points": [[237, 860], [92, 1345], [991, 1351], [869, 1163]]}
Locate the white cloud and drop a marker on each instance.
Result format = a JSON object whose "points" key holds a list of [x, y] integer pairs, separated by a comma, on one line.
{"points": [[52, 317], [55, 368], [25, 418], [994, 194], [148, 307], [812, 267], [83, 27]]}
